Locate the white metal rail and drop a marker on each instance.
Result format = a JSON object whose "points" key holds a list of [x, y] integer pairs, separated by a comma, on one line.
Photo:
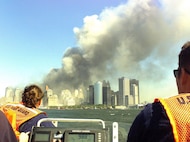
{"points": [[70, 120]]}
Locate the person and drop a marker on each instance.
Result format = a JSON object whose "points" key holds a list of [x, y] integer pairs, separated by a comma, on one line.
{"points": [[6, 132], [167, 119], [26, 114]]}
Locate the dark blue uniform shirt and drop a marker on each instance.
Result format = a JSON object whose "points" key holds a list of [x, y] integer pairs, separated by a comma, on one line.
{"points": [[151, 125], [27, 126]]}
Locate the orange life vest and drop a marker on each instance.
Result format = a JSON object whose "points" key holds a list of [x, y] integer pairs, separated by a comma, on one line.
{"points": [[178, 111], [17, 114]]}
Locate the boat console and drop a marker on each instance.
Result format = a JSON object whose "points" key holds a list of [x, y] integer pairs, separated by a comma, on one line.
{"points": [[62, 134]]}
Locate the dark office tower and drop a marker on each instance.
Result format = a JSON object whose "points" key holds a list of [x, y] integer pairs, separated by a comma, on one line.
{"points": [[106, 93], [91, 94], [106, 96]]}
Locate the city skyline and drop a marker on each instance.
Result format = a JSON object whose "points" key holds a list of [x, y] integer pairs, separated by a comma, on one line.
{"points": [[98, 93]]}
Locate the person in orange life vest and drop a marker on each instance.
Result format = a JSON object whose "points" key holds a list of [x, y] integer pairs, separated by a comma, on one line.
{"points": [[27, 112], [167, 120], [6, 132]]}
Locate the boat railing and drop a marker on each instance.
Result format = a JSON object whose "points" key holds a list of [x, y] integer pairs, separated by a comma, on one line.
{"points": [[56, 120]]}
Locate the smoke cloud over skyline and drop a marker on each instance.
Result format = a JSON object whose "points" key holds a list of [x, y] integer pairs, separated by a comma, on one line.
{"points": [[139, 39]]}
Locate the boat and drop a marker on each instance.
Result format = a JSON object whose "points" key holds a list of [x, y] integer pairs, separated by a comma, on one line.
{"points": [[102, 133]]}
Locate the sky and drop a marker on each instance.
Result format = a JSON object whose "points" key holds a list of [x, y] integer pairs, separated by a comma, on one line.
{"points": [[71, 44]]}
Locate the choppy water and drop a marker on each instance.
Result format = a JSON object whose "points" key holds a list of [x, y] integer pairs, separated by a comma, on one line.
{"points": [[123, 117]]}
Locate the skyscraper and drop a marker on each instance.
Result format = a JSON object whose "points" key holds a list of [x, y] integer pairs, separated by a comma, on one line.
{"points": [[18, 95], [124, 91], [128, 91], [106, 93], [91, 94], [98, 99], [9, 94], [134, 85]]}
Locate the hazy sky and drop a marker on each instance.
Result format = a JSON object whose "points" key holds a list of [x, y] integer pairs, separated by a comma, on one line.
{"points": [[92, 40]]}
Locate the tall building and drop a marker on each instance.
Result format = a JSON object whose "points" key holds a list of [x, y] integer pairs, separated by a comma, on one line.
{"points": [[134, 85], [53, 100], [78, 96], [98, 99], [106, 93], [91, 94], [65, 98], [9, 94], [124, 91], [47, 94], [115, 98], [128, 92], [18, 95]]}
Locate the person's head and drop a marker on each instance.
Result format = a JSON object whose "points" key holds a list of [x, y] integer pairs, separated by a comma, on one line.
{"points": [[182, 74], [32, 96]]}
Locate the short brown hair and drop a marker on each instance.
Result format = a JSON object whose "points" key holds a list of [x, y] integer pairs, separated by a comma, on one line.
{"points": [[31, 96]]}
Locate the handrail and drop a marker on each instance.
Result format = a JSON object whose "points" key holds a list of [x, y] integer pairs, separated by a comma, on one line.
{"points": [[70, 120]]}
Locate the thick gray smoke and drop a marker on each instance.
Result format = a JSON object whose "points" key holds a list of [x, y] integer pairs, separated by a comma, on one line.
{"points": [[136, 40]]}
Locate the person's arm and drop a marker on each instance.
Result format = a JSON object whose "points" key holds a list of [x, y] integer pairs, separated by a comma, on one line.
{"points": [[6, 132]]}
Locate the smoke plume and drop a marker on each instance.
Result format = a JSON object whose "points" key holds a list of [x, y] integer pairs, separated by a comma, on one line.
{"points": [[136, 39]]}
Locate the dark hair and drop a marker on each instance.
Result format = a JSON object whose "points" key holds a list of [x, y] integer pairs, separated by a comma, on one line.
{"points": [[184, 56], [31, 96]]}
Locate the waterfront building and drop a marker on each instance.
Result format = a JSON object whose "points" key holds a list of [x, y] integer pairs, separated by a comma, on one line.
{"points": [[98, 99], [128, 92], [71, 101], [65, 94], [49, 92], [135, 94], [124, 91], [106, 93], [134, 85], [17, 95], [114, 98], [78, 96], [53, 100], [9, 94], [91, 94], [46, 95]]}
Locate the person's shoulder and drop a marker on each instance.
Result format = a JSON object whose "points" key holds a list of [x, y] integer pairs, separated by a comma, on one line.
{"points": [[147, 108], [150, 106], [41, 115], [38, 117], [146, 113]]}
